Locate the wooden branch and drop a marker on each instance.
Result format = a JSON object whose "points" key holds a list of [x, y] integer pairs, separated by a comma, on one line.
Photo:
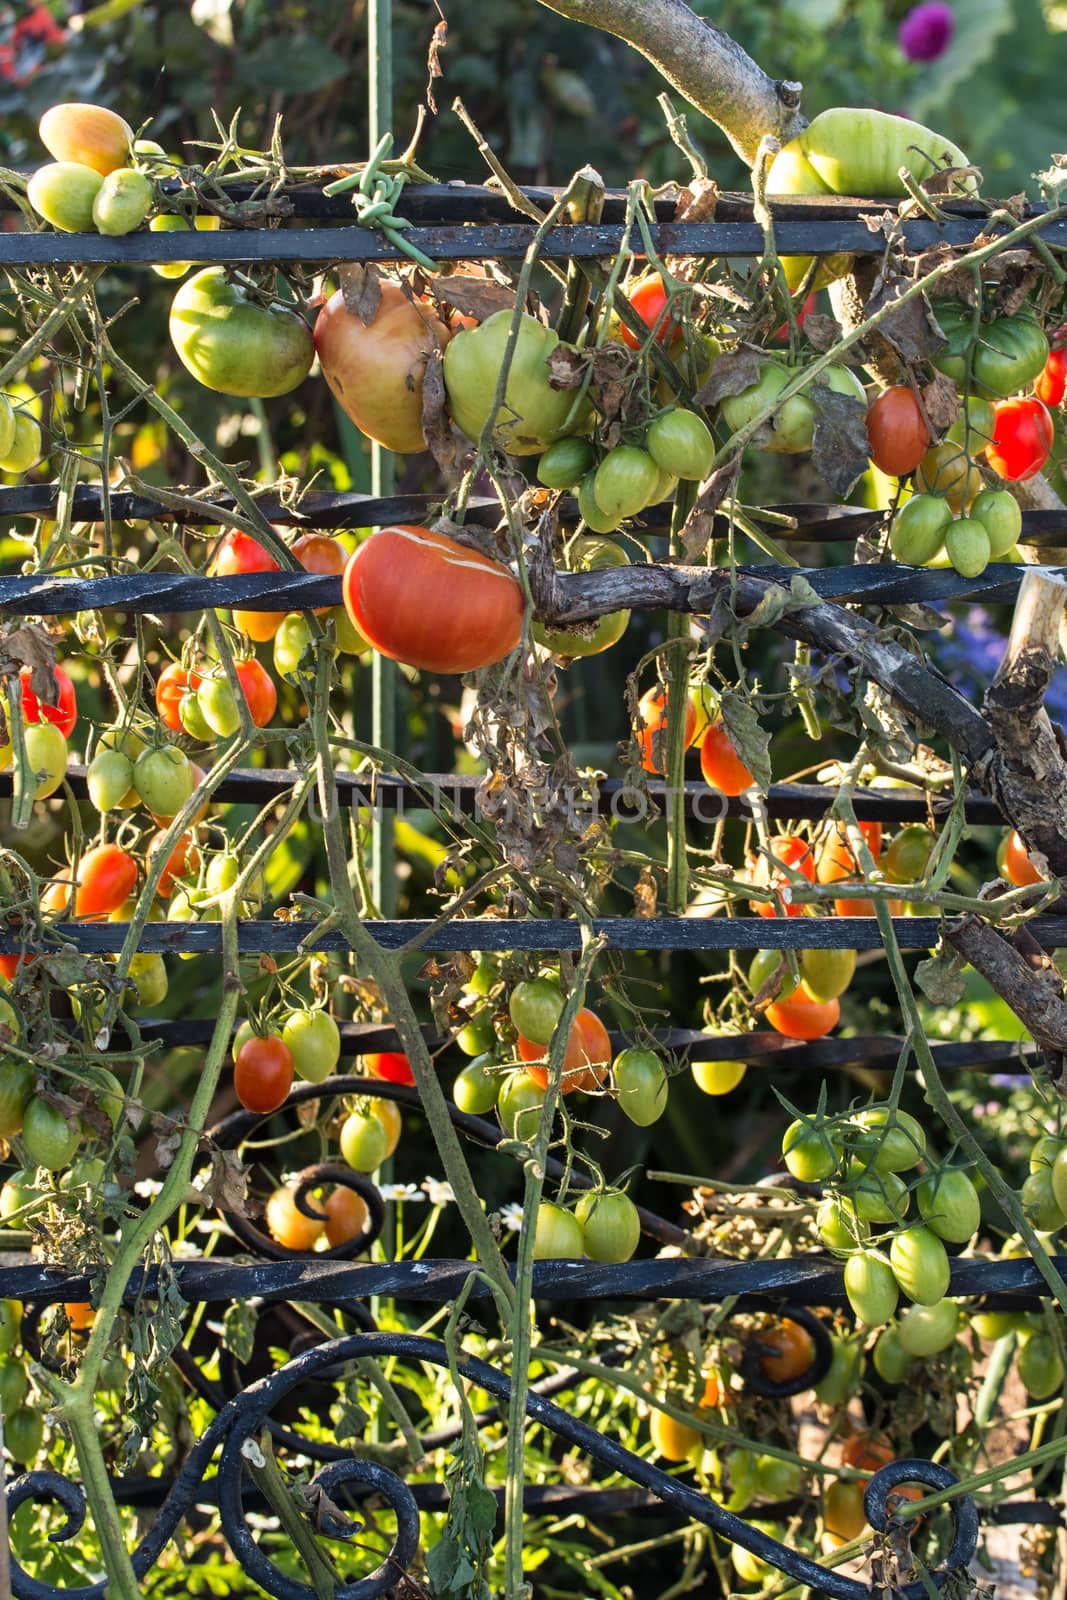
{"points": [[702, 63], [1032, 988]]}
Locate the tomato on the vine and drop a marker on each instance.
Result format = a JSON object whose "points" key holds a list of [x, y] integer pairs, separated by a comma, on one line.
{"points": [[323, 555], [611, 1227], [648, 298], [392, 1066], [346, 1217], [1023, 435], [292, 1228], [897, 431], [786, 1350], [534, 1007], [793, 852], [239, 553], [106, 878], [163, 777], [720, 763], [184, 858], [652, 734], [1051, 384], [641, 1083], [557, 1234], [62, 713], [259, 690], [801, 1018], [1014, 862], [588, 1051], [314, 1042], [263, 1073], [173, 684], [364, 1141], [49, 1138], [236, 343], [17, 1083]]}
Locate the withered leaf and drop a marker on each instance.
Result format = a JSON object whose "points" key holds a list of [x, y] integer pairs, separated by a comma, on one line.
{"points": [[883, 222], [613, 372], [732, 373], [361, 289], [169, 1142], [326, 1516], [751, 742], [474, 297], [436, 422], [1015, 288], [645, 893], [940, 402], [840, 450], [822, 332], [699, 525], [566, 367], [910, 328], [940, 977], [697, 201], [31, 647], [438, 41], [227, 1184], [950, 180]]}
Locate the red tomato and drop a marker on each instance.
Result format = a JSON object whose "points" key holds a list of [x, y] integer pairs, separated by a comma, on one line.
{"points": [[317, 552], [260, 692], [185, 857], [1052, 381], [10, 964], [801, 1018], [421, 598], [391, 1065], [720, 763], [1022, 438], [588, 1048], [867, 1452], [803, 314], [175, 681], [63, 715], [896, 431], [1019, 868], [106, 878], [652, 709], [649, 298], [263, 1073], [237, 553], [793, 852]]}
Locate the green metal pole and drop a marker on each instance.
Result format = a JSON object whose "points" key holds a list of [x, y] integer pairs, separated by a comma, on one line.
{"points": [[383, 673]]}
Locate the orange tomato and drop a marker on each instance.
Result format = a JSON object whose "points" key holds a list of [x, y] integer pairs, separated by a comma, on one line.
{"points": [[80, 1314], [793, 852], [317, 552], [844, 1517], [801, 1018], [652, 735], [1019, 868], [184, 858], [786, 1350], [287, 1224], [346, 1217], [588, 1051], [867, 1451], [720, 763]]}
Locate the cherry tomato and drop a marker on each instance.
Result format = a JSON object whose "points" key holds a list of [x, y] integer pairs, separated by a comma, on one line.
{"points": [[717, 1077], [49, 1139], [810, 1153], [792, 852], [259, 690], [801, 1018], [1022, 438], [611, 1227], [346, 1217], [844, 1518], [1040, 1366], [588, 1048], [674, 1441], [871, 1288], [1017, 866], [786, 1350], [908, 854], [10, 1317], [17, 1083], [920, 1265], [879, 1196], [897, 432], [314, 1042], [476, 1086], [106, 879], [641, 1082], [287, 1224], [534, 1008], [263, 1073], [163, 777], [80, 1315], [890, 1140], [318, 553], [90, 135], [390, 1065], [184, 858], [63, 714], [826, 974], [174, 682], [720, 763], [364, 1141], [519, 1105], [557, 1235], [24, 1435], [949, 1204], [388, 1114], [652, 735], [46, 757], [648, 298], [1052, 380]]}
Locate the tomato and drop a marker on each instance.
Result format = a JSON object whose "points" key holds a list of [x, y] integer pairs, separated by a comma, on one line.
{"points": [[810, 1152], [611, 1227], [625, 481], [375, 367], [106, 879], [1009, 354], [163, 777], [994, 1325], [897, 431], [17, 1083], [122, 202], [839, 1383], [1040, 1366], [920, 1265], [871, 1287], [388, 1114], [235, 344], [183, 859], [834, 859], [92, 135], [24, 1435], [293, 647], [641, 1083], [587, 1049], [721, 765], [239, 553], [948, 472], [423, 599], [1039, 1201], [738, 410], [63, 193], [879, 1196], [887, 1138], [49, 1139], [17, 1198], [534, 1008], [891, 1361], [534, 414], [717, 1077], [949, 1204], [1023, 436], [259, 690], [287, 1224], [794, 425], [323, 555], [919, 528], [63, 713], [680, 443], [826, 974], [557, 1235], [589, 511], [786, 1351], [348, 639], [263, 1073], [476, 1086], [1046, 1150], [519, 1105], [149, 973], [10, 1322], [844, 1518], [794, 853], [588, 555], [1051, 384], [673, 1440], [364, 1141], [109, 780], [346, 1217], [173, 224], [392, 1066], [852, 151], [652, 710], [46, 757], [1059, 1181], [313, 1040], [478, 1035], [80, 1315], [27, 448], [867, 1452], [908, 855], [967, 547], [172, 685], [841, 1228], [565, 463], [218, 707], [648, 298]]}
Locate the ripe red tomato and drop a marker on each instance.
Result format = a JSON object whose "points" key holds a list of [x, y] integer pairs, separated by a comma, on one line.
{"points": [[792, 852], [391, 1065], [238, 553], [317, 552], [649, 299], [652, 709], [896, 431], [63, 715], [263, 1073], [801, 1018], [260, 692], [184, 857], [175, 681], [1018, 867], [421, 598], [835, 863], [782, 333], [346, 1217], [720, 763], [1051, 382], [1022, 438], [106, 878]]}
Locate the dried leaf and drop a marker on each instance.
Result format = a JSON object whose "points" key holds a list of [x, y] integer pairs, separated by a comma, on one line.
{"points": [[227, 1184], [613, 373], [940, 977], [326, 1516], [751, 742], [732, 373], [840, 449], [1015, 287], [645, 893], [697, 201], [777, 600], [885, 222], [950, 180], [821, 332], [436, 422], [31, 647], [567, 367], [361, 289], [910, 328], [169, 1142], [699, 525], [474, 297], [941, 403], [434, 68]]}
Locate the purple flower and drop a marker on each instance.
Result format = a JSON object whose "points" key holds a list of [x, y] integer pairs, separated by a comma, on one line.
{"points": [[926, 31]]}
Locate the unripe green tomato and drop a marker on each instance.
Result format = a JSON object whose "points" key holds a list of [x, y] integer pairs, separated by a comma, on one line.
{"points": [[193, 720], [840, 1380], [7, 425], [18, 1081], [1049, 1145], [680, 443], [533, 414], [625, 481], [24, 1435], [590, 511], [485, 977], [1039, 1201], [751, 1568], [919, 528], [14, 1384], [927, 1330], [826, 974], [1001, 516], [10, 1323], [777, 1479], [738, 410], [611, 1227], [519, 1105], [46, 757], [364, 1142], [314, 1042], [49, 1140], [164, 779], [477, 1085], [122, 202], [887, 1138], [18, 1197], [891, 1361], [718, 1077], [172, 224], [63, 192], [1008, 355], [25, 450], [350, 642], [735, 1478], [973, 428], [809, 1152], [993, 1325], [149, 972], [765, 964], [565, 463], [1059, 1181], [534, 1008], [856, 151], [665, 487], [293, 647], [920, 1265], [588, 555], [478, 1036], [968, 547], [641, 1082], [245, 1031], [949, 1204], [879, 1196], [557, 1234], [794, 427], [218, 706], [841, 1228], [871, 1287], [109, 779], [1040, 1366]]}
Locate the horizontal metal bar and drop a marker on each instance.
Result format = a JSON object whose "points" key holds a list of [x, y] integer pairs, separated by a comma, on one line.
{"points": [[495, 933], [501, 241]]}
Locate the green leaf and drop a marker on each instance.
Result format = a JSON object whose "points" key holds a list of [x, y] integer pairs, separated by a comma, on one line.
{"points": [[751, 742]]}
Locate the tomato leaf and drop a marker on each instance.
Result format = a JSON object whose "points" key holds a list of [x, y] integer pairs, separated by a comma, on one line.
{"points": [[473, 297], [732, 373], [911, 328], [436, 423], [361, 289], [822, 332], [698, 527], [751, 741], [940, 402], [840, 450], [940, 977]]}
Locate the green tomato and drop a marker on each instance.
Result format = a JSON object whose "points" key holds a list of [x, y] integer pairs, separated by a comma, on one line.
{"points": [[841, 1228], [109, 779], [63, 193], [777, 1479], [485, 977], [855, 151], [164, 779], [24, 1435], [149, 972], [1039, 1201], [949, 1204], [1001, 516], [738, 410], [1049, 1145], [17, 1196], [625, 481], [171, 224], [809, 1152], [588, 555], [751, 1568], [49, 1139], [827, 974], [974, 423], [14, 1384], [26, 449], [589, 510], [557, 1235], [891, 1361], [879, 1196], [920, 1265], [611, 1227], [957, 323], [1059, 1180], [919, 528], [1040, 1366], [122, 201], [680, 443], [234, 344], [244, 1032], [906, 860], [1008, 355], [968, 546], [533, 414], [10, 1323], [17, 1082], [7, 425], [565, 463], [314, 1042], [871, 1287], [889, 1139], [477, 1085], [767, 964], [794, 427], [350, 642], [364, 1141], [478, 1036], [534, 1008], [717, 1077], [218, 707], [46, 757], [840, 1381], [994, 1325], [734, 1473], [519, 1105], [641, 1082], [192, 719], [293, 646]]}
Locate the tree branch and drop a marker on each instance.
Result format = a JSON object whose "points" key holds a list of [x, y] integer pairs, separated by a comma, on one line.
{"points": [[1031, 986], [702, 63]]}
